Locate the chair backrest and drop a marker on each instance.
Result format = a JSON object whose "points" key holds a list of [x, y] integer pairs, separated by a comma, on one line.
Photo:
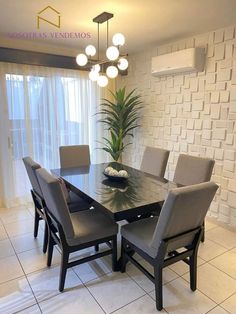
{"points": [[184, 210], [154, 161], [55, 200], [31, 166], [74, 156], [193, 170]]}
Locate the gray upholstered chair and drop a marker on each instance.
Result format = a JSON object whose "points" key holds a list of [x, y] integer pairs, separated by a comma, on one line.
{"points": [[74, 201], [31, 166], [74, 231], [154, 161], [193, 170], [74, 156], [178, 230]]}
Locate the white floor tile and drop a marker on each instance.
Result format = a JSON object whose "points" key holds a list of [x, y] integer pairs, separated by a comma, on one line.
{"points": [[209, 250], [15, 295], [226, 263], [35, 259], [7, 211], [27, 241], [142, 280], [182, 268], [20, 227], [31, 310], [114, 290], [209, 224], [45, 283], [78, 301], [6, 249], [230, 304], [143, 305], [3, 234], [15, 215], [214, 283], [10, 268], [218, 310], [94, 269], [179, 299], [223, 237]]}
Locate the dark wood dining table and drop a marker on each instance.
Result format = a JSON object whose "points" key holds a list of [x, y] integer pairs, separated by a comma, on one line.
{"points": [[140, 194]]}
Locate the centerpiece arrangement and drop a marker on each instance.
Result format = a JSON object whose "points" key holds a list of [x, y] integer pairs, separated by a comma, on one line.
{"points": [[120, 118], [116, 175]]}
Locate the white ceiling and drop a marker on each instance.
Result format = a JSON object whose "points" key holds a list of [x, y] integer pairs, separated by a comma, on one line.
{"points": [[142, 22]]}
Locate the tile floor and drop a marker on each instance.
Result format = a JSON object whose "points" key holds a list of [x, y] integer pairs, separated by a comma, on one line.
{"points": [[28, 286]]}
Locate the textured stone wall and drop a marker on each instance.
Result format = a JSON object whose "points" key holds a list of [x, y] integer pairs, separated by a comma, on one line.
{"points": [[191, 113]]}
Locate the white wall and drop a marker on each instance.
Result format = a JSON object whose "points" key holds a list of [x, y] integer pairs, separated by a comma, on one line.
{"points": [[191, 113]]}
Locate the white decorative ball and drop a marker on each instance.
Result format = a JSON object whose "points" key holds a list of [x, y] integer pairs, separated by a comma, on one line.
{"points": [[123, 173], [108, 169], [114, 173]]}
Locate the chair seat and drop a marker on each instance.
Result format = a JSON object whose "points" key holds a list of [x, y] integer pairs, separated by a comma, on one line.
{"points": [[91, 225], [76, 203], [140, 233]]}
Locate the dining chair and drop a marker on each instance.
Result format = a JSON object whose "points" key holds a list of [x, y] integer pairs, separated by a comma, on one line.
{"points": [[74, 231], [74, 201], [178, 230], [74, 156], [193, 170], [31, 166], [154, 161]]}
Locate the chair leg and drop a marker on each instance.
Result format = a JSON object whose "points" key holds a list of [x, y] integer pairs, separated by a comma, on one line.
{"points": [[193, 271], [36, 223], [96, 247], [203, 234], [158, 287], [64, 262], [50, 250], [123, 258], [114, 254], [45, 239]]}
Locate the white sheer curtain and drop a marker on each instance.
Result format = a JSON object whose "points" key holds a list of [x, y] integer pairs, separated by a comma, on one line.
{"points": [[40, 109]]}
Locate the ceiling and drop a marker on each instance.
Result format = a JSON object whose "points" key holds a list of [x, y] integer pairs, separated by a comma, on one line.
{"points": [[142, 22]]}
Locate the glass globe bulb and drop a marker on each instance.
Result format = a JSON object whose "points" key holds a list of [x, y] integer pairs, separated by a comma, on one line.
{"points": [[97, 67], [81, 59], [102, 81], [90, 50], [123, 64], [118, 39], [93, 75], [112, 53], [112, 71]]}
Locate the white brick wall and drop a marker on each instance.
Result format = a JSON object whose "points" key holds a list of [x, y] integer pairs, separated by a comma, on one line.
{"points": [[191, 113]]}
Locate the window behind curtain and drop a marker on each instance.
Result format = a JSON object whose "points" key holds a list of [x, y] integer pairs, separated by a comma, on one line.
{"points": [[47, 108]]}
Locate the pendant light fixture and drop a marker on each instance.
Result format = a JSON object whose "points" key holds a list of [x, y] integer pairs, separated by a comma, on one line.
{"points": [[101, 70]]}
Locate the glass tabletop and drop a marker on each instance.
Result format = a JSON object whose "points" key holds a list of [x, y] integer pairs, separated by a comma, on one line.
{"points": [[139, 194]]}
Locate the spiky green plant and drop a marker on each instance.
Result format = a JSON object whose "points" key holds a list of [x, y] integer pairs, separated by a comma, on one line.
{"points": [[120, 118]]}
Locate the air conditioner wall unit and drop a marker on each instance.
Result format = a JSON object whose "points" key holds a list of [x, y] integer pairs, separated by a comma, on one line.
{"points": [[187, 60]]}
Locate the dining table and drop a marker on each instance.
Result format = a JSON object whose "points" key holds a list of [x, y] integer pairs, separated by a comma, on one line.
{"points": [[138, 195]]}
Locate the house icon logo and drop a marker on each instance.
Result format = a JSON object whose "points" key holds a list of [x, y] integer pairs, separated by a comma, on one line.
{"points": [[50, 16]]}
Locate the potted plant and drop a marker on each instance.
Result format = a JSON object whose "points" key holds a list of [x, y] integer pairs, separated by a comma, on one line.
{"points": [[120, 117]]}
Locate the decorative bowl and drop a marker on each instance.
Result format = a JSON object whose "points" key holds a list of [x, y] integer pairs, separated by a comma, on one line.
{"points": [[115, 178]]}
